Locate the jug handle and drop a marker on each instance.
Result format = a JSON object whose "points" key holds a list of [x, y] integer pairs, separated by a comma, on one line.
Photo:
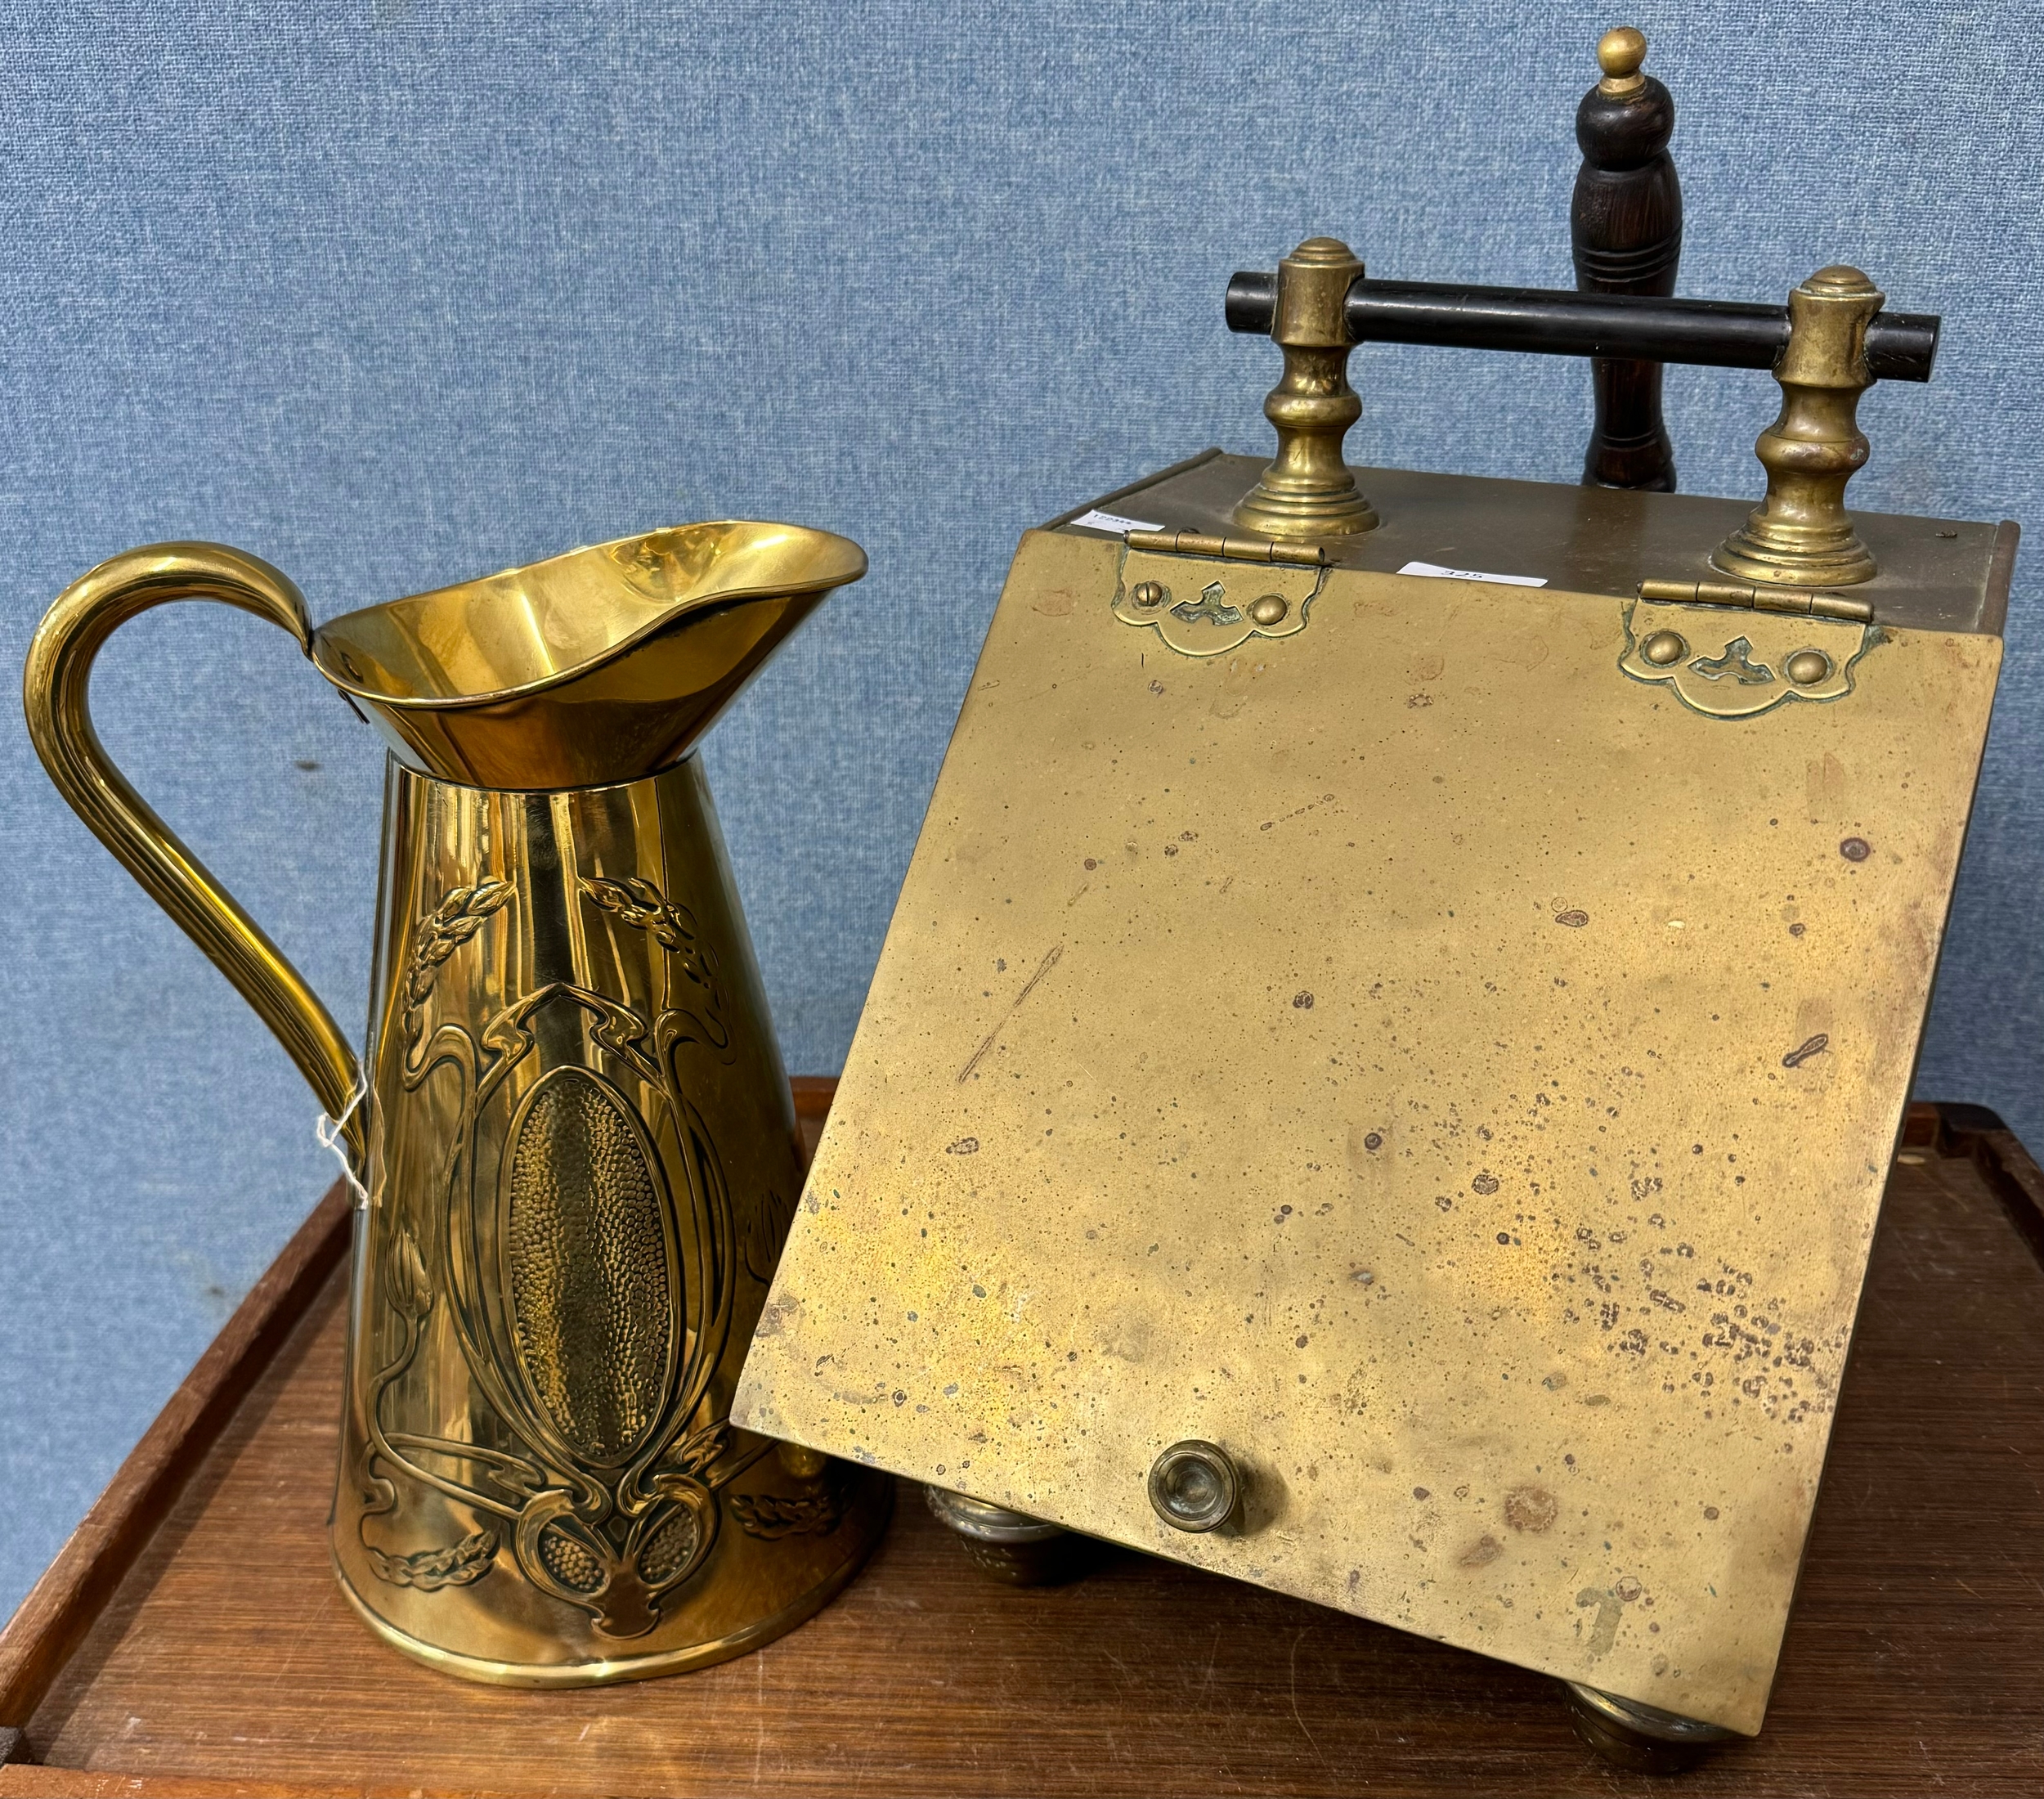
{"points": [[54, 694]]}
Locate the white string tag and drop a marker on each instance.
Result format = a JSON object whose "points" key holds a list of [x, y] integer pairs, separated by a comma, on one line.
{"points": [[329, 1131]]}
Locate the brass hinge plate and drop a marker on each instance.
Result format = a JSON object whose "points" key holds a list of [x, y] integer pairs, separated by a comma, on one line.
{"points": [[1208, 603], [1729, 663]]}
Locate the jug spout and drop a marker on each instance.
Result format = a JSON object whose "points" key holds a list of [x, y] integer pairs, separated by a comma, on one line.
{"points": [[600, 667]]}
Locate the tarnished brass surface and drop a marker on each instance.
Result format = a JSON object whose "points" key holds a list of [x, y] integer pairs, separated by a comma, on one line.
{"points": [[1935, 574], [1307, 490], [575, 1139], [1421, 1057], [1800, 533]]}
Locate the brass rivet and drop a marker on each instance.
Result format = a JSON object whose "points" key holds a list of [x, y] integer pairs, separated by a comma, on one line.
{"points": [[1193, 1486], [1269, 609], [1807, 667], [1150, 593], [1663, 648]]}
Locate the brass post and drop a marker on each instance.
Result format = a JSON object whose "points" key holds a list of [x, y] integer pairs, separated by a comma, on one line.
{"points": [[1307, 490], [1801, 535]]}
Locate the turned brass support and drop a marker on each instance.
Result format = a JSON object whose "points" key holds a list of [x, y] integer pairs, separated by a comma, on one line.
{"points": [[1801, 535], [1307, 490]]}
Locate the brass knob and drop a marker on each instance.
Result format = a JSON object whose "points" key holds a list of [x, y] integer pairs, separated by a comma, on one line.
{"points": [[1193, 1486]]}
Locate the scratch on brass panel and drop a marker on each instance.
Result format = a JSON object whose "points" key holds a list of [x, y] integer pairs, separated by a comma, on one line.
{"points": [[1610, 1609], [978, 1055]]}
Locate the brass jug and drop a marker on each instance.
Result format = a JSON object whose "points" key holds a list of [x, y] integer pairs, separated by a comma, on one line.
{"points": [[573, 1135]]}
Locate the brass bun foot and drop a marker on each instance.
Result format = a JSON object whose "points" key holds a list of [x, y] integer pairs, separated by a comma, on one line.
{"points": [[1012, 1546], [1640, 1738]]}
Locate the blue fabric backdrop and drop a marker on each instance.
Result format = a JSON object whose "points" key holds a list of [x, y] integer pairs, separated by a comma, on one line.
{"points": [[399, 295]]}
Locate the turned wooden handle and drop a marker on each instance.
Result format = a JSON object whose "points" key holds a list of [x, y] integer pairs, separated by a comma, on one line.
{"points": [[1625, 225]]}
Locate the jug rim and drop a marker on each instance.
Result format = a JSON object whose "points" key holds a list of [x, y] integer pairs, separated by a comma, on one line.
{"points": [[822, 560]]}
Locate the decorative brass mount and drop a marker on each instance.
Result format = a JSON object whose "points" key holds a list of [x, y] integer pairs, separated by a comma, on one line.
{"points": [[1205, 596], [1801, 535], [1307, 490], [1826, 347]]}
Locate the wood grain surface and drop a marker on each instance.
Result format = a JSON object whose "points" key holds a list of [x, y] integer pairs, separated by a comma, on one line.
{"points": [[1915, 1661], [61, 1606]]}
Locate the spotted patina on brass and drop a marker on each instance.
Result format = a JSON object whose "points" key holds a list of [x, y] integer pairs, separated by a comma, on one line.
{"points": [[1422, 1058]]}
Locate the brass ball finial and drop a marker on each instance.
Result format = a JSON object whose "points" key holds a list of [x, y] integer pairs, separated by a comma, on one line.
{"points": [[1620, 52]]}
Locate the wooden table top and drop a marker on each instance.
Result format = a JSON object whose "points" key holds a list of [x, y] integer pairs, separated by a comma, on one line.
{"points": [[1915, 1660]]}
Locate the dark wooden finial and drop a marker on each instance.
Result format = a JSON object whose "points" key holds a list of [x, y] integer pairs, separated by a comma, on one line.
{"points": [[1625, 222]]}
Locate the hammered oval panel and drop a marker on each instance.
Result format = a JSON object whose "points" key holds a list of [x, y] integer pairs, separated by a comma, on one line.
{"points": [[586, 1251], [671, 1546], [569, 1561]]}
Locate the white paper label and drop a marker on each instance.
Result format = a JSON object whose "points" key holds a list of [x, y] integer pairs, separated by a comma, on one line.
{"points": [[1439, 573], [1114, 522]]}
